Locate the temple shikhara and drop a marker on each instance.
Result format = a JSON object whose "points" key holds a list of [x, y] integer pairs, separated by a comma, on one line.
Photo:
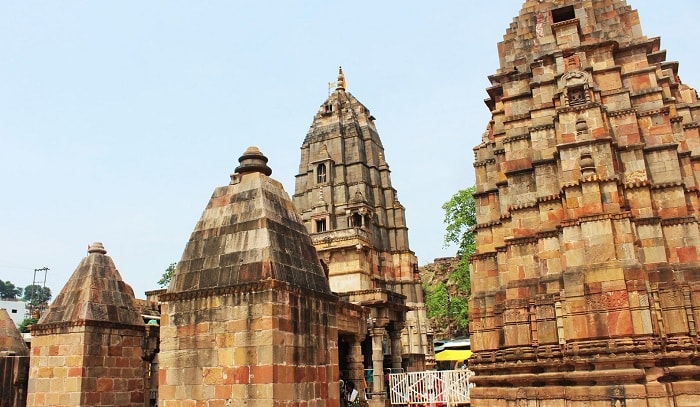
{"points": [[358, 226], [586, 281]]}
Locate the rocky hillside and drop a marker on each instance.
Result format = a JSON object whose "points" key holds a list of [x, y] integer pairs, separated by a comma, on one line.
{"points": [[431, 275]]}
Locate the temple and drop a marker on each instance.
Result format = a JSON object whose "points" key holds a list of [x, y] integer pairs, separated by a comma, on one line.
{"points": [[358, 226], [586, 281]]}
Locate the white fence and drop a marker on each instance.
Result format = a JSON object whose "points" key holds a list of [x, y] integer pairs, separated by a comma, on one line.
{"points": [[433, 388]]}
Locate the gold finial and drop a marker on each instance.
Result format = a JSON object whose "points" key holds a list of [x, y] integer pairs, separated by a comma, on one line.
{"points": [[341, 80]]}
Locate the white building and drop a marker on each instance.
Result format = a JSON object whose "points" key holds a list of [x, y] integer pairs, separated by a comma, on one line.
{"points": [[17, 309]]}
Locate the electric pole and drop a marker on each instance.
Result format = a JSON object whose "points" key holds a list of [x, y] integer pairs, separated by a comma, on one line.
{"points": [[31, 300]]}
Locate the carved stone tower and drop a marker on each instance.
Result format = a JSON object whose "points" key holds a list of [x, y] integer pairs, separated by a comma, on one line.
{"points": [[358, 226], [586, 281]]}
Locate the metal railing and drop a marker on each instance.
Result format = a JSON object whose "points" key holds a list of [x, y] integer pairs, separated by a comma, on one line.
{"points": [[433, 388]]}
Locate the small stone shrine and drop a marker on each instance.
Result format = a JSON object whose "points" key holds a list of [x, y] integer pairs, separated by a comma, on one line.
{"points": [[87, 347], [249, 317]]}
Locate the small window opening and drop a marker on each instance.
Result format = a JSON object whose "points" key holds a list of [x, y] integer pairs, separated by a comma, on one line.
{"points": [[563, 14], [321, 173], [329, 108], [577, 96], [320, 225], [356, 220], [14, 311]]}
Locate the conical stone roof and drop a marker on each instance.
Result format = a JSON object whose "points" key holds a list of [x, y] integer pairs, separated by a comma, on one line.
{"points": [[249, 231], [95, 292], [10, 338]]}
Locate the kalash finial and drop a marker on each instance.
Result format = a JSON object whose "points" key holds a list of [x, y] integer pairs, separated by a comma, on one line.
{"points": [[341, 79], [97, 247], [253, 160]]}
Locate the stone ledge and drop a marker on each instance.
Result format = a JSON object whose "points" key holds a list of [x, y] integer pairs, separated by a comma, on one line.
{"points": [[241, 289], [62, 327], [624, 112], [678, 221], [663, 110]]}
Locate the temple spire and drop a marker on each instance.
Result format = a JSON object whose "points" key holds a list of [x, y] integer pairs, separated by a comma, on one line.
{"points": [[341, 79]]}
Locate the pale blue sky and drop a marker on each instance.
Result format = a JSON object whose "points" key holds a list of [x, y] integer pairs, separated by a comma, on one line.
{"points": [[118, 119]]}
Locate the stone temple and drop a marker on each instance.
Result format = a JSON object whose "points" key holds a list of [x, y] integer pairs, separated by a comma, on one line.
{"points": [[585, 283], [586, 280], [273, 302]]}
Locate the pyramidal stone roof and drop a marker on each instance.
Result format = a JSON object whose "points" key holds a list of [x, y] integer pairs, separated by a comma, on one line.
{"points": [[10, 339], [249, 232], [95, 292]]}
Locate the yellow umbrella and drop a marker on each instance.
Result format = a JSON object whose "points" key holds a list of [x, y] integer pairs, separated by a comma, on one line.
{"points": [[453, 355]]}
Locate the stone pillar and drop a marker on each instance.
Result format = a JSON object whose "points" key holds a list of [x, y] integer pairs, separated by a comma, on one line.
{"points": [[356, 372], [377, 365], [396, 348]]}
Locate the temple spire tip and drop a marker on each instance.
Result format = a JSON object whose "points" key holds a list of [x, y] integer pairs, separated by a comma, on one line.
{"points": [[341, 79]]}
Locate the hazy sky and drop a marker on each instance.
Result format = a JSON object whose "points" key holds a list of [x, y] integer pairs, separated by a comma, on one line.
{"points": [[118, 119]]}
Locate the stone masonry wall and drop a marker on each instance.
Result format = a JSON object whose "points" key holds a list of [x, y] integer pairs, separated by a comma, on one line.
{"points": [[260, 344], [86, 365]]}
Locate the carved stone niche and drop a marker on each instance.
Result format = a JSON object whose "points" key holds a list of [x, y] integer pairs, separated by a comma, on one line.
{"points": [[576, 88]]}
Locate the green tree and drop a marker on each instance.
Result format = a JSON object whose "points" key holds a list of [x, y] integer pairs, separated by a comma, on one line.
{"points": [[23, 327], [167, 275], [36, 295], [460, 218], [8, 291], [436, 302], [447, 303]]}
